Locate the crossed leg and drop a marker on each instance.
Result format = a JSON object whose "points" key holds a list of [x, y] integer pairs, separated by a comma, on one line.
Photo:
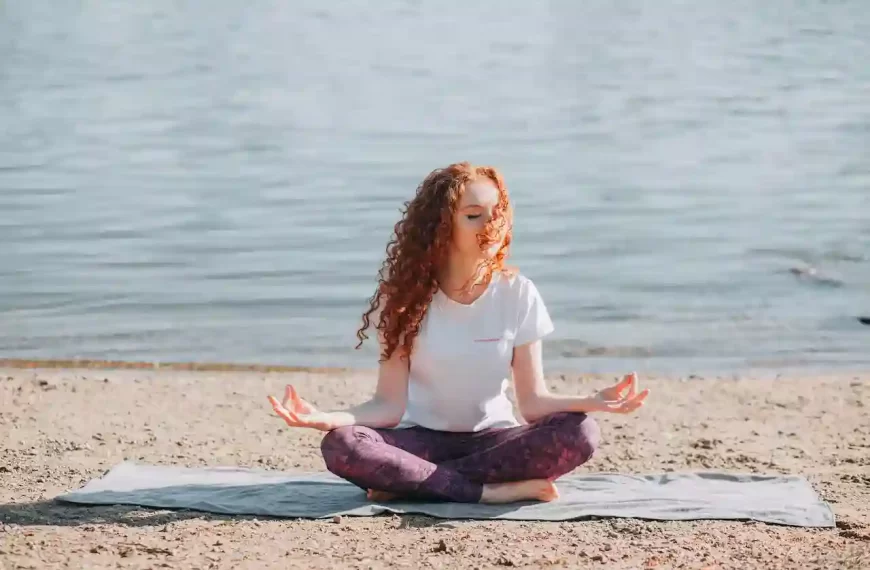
{"points": [[497, 465]]}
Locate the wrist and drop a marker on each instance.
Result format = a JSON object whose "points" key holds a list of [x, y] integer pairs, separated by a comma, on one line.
{"points": [[333, 420], [585, 405]]}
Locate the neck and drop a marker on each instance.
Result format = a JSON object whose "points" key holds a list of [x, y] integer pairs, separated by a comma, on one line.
{"points": [[460, 274]]}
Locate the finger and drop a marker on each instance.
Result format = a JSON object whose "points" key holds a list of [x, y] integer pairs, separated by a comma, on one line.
{"points": [[627, 383], [301, 404], [288, 396], [625, 400], [622, 398], [289, 417], [278, 407], [306, 407], [632, 384], [285, 414], [298, 403], [624, 383], [627, 406], [633, 405], [640, 397]]}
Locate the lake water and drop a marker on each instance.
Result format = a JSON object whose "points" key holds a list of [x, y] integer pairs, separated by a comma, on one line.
{"points": [[216, 181]]}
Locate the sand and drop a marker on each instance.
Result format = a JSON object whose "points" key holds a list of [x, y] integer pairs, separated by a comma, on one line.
{"points": [[61, 427]]}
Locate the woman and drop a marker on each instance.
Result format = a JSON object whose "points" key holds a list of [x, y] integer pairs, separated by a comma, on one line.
{"points": [[455, 326]]}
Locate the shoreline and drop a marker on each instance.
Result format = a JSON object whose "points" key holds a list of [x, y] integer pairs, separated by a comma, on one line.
{"points": [[193, 366], [770, 372]]}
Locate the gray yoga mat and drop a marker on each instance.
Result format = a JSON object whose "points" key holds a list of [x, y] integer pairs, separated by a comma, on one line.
{"points": [[777, 499]]}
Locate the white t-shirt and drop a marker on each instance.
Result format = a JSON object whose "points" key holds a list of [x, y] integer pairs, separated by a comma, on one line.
{"points": [[460, 368]]}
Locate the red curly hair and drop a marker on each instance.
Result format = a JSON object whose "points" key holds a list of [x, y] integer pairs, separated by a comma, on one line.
{"points": [[408, 278]]}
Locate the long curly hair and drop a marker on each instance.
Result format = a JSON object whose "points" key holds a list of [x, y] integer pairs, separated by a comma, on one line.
{"points": [[420, 245]]}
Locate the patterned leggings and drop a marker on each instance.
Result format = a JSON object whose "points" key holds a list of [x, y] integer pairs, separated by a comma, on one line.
{"points": [[454, 466]]}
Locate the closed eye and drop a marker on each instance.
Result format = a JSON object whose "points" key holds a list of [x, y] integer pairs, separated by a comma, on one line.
{"points": [[473, 216]]}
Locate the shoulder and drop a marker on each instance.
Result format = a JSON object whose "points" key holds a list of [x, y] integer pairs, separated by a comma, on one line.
{"points": [[518, 286], [515, 280], [533, 320]]}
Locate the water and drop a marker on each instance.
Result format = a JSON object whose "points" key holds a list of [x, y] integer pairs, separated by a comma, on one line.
{"points": [[215, 181]]}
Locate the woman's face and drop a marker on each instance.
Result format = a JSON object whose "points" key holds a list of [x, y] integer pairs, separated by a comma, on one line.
{"points": [[476, 207]]}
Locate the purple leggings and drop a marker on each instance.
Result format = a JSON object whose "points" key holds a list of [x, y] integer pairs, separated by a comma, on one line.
{"points": [[454, 466]]}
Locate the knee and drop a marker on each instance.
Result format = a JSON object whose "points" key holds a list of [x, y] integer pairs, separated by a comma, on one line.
{"points": [[336, 447], [578, 432]]}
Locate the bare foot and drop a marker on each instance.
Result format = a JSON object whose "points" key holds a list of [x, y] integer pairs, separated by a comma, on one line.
{"points": [[533, 489], [380, 496]]}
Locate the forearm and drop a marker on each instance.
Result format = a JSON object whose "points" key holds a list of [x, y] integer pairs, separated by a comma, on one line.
{"points": [[374, 413], [547, 404]]}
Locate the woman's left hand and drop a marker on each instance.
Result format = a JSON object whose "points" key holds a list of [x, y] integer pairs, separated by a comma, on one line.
{"points": [[622, 397]]}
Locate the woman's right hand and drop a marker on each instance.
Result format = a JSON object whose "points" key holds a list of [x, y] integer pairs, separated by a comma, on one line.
{"points": [[298, 412]]}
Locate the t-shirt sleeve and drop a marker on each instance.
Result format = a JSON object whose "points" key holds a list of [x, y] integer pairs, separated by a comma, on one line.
{"points": [[534, 320]]}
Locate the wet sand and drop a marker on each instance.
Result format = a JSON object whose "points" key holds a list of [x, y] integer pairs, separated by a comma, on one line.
{"points": [[62, 426]]}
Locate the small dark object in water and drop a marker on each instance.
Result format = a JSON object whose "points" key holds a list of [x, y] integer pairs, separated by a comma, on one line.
{"points": [[812, 275], [864, 320]]}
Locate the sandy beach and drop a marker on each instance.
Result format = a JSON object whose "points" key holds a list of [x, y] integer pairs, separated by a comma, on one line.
{"points": [[62, 426]]}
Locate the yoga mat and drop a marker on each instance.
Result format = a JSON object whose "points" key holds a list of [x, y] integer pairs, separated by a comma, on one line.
{"points": [[777, 499]]}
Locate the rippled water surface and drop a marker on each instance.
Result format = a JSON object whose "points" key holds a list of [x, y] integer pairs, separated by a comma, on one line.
{"points": [[216, 181]]}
